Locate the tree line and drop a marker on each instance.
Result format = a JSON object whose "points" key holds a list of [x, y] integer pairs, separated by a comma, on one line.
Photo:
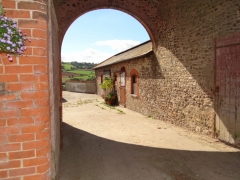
{"points": [[81, 65]]}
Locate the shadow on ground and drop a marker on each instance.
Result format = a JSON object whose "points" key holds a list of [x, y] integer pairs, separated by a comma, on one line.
{"points": [[88, 157], [64, 100]]}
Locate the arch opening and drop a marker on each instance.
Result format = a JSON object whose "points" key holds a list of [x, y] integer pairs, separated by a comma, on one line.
{"points": [[78, 15]]}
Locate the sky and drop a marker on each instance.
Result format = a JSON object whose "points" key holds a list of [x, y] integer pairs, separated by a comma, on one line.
{"points": [[100, 34]]}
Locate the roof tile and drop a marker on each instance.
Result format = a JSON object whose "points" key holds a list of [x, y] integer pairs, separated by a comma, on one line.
{"points": [[132, 53]]}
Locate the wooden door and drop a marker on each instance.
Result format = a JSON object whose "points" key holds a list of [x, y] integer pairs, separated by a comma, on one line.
{"points": [[227, 88], [122, 101]]}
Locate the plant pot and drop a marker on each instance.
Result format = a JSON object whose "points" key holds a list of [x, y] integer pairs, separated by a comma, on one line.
{"points": [[109, 102]]}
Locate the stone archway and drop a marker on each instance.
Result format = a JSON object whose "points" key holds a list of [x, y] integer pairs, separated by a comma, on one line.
{"points": [[64, 14], [144, 11]]}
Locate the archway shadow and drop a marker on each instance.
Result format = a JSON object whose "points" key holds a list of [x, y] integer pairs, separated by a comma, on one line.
{"points": [[64, 100], [86, 156], [187, 47]]}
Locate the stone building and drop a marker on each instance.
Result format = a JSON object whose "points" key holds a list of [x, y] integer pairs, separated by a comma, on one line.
{"points": [[195, 59], [140, 83], [127, 69]]}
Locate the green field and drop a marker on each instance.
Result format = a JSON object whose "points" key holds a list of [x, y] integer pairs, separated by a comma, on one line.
{"points": [[83, 71], [83, 75], [67, 66]]}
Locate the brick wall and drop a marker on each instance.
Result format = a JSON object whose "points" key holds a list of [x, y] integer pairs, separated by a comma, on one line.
{"points": [[24, 99]]}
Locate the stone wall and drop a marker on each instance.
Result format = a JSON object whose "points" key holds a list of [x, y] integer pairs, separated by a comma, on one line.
{"points": [[186, 54], [55, 89], [82, 87], [162, 96]]}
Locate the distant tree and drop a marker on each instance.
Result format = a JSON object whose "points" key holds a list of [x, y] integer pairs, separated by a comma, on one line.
{"points": [[81, 65]]}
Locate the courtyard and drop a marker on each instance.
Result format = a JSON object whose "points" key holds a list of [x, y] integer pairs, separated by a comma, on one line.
{"points": [[114, 143]]}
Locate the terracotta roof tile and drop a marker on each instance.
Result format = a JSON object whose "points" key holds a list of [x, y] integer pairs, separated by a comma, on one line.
{"points": [[132, 53]]}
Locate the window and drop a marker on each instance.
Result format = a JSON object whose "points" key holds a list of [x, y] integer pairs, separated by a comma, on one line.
{"points": [[101, 78], [106, 73], [122, 76], [134, 83]]}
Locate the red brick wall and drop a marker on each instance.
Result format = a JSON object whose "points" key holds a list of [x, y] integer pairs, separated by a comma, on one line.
{"points": [[24, 98]]}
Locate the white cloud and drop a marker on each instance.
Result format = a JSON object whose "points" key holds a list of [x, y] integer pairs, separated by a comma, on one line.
{"points": [[88, 55], [93, 55], [118, 45]]}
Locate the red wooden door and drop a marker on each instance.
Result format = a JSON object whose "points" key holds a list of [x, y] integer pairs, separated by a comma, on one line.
{"points": [[227, 83], [122, 101]]}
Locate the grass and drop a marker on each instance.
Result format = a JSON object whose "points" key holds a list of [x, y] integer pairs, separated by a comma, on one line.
{"points": [[83, 71], [65, 79], [77, 77], [67, 66], [84, 74], [99, 106], [150, 116], [78, 103], [120, 111], [112, 107]]}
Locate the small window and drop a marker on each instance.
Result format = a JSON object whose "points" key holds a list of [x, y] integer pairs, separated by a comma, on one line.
{"points": [[101, 78], [106, 73], [134, 84], [123, 76]]}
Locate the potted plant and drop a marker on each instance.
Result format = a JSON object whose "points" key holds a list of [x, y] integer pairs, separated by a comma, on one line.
{"points": [[107, 84], [108, 93], [110, 98]]}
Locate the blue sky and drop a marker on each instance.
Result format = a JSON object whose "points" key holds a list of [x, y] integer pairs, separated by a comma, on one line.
{"points": [[98, 35]]}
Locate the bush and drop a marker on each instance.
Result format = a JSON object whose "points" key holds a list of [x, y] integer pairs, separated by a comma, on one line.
{"points": [[107, 84]]}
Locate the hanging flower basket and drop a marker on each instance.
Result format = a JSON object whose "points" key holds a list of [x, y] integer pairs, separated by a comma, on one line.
{"points": [[12, 40]]}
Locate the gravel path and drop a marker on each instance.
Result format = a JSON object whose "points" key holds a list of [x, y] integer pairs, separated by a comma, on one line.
{"points": [[103, 143]]}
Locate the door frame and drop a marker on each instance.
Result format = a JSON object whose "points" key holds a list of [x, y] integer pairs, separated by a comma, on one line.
{"points": [[225, 41], [122, 88]]}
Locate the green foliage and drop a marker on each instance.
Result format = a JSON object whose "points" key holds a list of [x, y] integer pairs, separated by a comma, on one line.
{"points": [[67, 66], [83, 65], [83, 74], [1, 8], [12, 40], [114, 108], [110, 96], [107, 84]]}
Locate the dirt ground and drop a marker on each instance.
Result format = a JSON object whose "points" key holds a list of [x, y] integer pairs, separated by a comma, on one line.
{"points": [[103, 143]]}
